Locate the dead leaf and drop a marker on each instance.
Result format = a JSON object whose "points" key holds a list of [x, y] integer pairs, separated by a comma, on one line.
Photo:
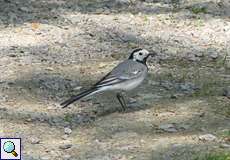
{"points": [[35, 25]]}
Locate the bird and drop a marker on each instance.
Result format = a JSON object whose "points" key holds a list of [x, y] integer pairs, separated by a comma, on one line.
{"points": [[126, 76]]}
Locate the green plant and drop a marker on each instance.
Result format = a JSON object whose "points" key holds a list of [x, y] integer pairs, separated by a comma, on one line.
{"points": [[145, 18], [68, 117], [197, 10], [199, 23], [219, 156], [225, 133]]}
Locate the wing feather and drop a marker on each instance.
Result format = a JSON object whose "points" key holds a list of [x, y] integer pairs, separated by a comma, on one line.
{"points": [[124, 71]]}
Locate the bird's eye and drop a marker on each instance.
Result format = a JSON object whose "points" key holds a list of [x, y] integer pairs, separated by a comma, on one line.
{"points": [[140, 54]]}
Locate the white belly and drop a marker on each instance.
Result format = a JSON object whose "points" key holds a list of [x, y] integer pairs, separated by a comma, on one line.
{"points": [[127, 85], [131, 84]]}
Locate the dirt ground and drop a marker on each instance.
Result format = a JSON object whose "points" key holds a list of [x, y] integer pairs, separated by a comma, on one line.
{"points": [[52, 49]]}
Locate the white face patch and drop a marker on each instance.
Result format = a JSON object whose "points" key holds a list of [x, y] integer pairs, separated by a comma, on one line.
{"points": [[140, 55]]}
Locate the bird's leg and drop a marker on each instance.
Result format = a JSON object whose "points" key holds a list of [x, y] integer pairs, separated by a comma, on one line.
{"points": [[122, 101]]}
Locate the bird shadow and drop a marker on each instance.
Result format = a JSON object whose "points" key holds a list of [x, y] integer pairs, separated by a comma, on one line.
{"points": [[45, 90]]}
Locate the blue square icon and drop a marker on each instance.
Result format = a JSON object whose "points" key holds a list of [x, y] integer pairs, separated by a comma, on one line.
{"points": [[10, 148]]}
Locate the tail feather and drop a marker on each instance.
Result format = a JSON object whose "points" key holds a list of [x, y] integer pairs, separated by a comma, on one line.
{"points": [[79, 96]]}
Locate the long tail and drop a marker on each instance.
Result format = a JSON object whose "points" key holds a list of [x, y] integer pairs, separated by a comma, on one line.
{"points": [[79, 96]]}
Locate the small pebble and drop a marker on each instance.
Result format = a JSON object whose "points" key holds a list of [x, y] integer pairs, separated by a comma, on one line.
{"points": [[199, 54], [213, 55], [65, 137], [132, 100], [184, 126], [193, 58], [67, 130], [67, 157], [97, 141], [174, 96], [224, 145], [102, 65], [65, 146], [35, 140], [49, 69], [207, 137], [168, 127], [227, 92], [45, 158], [77, 88]]}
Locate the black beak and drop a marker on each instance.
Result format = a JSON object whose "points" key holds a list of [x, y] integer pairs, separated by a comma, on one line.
{"points": [[152, 54]]}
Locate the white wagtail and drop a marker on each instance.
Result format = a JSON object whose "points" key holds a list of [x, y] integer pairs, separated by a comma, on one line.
{"points": [[124, 77]]}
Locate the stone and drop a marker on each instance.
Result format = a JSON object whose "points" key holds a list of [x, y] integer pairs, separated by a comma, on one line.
{"points": [[130, 38], [122, 2], [45, 158], [65, 137], [151, 1], [77, 88], [226, 92], [192, 57], [167, 85], [153, 83], [67, 130], [174, 96], [132, 100], [65, 146], [177, 145], [25, 9], [187, 87], [168, 127], [214, 55], [150, 96], [224, 145], [3, 98], [102, 65], [184, 126], [199, 54], [207, 137], [67, 157], [35, 140], [227, 61]]}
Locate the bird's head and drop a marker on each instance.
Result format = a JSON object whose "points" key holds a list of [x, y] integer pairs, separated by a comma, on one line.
{"points": [[141, 55]]}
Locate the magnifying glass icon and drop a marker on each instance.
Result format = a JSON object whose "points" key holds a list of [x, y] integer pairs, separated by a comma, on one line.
{"points": [[9, 147]]}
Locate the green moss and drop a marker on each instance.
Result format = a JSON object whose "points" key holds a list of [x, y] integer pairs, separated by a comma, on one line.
{"points": [[227, 133], [199, 23], [197, 10], [68, 117], [145, 18], [224, 133], [219, 156]]}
